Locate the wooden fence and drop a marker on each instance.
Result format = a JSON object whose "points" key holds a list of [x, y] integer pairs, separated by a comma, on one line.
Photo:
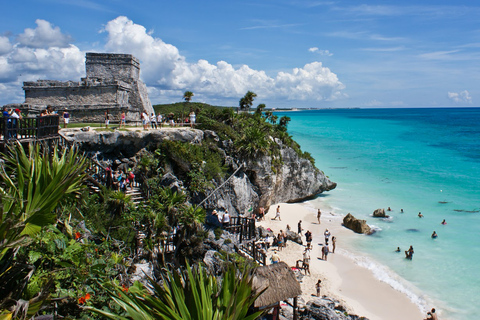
{"points": [[28, 128]]}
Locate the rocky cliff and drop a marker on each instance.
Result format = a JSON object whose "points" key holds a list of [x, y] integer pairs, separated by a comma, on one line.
{"points": [[257, 183]]}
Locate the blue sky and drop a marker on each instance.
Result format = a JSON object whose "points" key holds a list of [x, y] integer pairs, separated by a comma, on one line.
{"points": [[291, 53]]}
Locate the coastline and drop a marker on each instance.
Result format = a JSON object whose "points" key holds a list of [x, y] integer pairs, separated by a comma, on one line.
{"points": [[355, 286]]}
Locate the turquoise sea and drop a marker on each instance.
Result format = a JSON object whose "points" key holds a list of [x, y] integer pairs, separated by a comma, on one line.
{"points": [[418, 160]]}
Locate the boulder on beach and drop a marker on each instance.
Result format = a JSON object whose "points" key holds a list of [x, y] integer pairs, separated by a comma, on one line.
{"points": [[380, 213], [293, 236], [357, 225]]}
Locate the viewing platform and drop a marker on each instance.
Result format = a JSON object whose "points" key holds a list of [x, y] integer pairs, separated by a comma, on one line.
{"points": [[28, 129]]}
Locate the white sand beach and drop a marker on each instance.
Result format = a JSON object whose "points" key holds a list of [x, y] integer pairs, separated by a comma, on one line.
{"points": [[356, 287]]}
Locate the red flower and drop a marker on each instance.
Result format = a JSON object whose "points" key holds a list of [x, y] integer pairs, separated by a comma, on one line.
{"points": [[82, 300], [78, 235], [124, 288]]}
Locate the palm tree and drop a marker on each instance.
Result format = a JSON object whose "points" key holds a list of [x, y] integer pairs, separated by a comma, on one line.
{"points": [[190, 295], [187, 96], [282, 124], [260, 109], [247, 101]]}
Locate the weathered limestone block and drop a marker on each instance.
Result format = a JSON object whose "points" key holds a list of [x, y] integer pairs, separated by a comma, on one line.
{"points": [[357, 225], [380, 213]]}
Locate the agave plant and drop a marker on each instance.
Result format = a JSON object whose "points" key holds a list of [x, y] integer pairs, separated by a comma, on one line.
{"points": [[191, 295], [32, 185]]}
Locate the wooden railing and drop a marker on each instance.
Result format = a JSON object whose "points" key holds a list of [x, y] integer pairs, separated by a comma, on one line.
{"points": [[33, 128], [243, 227], [254, 251]]}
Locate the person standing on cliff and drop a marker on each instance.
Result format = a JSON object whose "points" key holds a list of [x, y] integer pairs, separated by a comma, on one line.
{"points": [[107, 119], [66, 118], [145, 120], [319, 214], [122, 120]]}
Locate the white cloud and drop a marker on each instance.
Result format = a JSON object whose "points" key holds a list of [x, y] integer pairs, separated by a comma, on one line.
{"points": [[36, 55], [321, 52], [460, 97], [5, 45], [164, 67], [44, 36]]}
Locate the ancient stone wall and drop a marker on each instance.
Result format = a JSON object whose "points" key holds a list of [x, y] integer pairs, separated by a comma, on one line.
{"points": [[112, 66], [112, 85]]}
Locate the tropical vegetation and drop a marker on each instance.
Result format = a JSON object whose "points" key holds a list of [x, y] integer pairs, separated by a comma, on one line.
{"points": [[67, 251]]}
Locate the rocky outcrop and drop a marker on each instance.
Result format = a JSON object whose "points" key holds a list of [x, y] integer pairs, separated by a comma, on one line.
{"points": [[258, 182], [297, 179], [380, 213], [357, 225], [326, 309], [293, 236]]}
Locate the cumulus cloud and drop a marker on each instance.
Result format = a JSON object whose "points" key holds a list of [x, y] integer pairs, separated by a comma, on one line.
{"points": [[43, 36], [460, 97], [45, 53], [5, 45], [321, 52], [165, 68]]}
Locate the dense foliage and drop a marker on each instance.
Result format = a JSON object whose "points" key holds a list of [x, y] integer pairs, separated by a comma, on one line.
{"points": [[61, 245]]}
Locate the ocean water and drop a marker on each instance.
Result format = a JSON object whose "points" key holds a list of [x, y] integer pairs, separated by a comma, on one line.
{"points": [[418, 160]]}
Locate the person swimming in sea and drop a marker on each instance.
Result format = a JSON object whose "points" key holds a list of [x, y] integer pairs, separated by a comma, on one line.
{"points": [[434, 235], [444, 222], [420, 215], [398, 249]]}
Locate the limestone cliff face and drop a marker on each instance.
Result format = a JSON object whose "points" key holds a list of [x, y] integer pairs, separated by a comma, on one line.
{"points": [[296, 179], [257, 183]]}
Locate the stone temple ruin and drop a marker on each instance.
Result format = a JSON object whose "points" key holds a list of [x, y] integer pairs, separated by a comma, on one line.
{"points": [[112, 85]]}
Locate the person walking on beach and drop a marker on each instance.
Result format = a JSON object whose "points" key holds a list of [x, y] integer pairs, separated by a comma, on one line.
{"points": [[277, 214], [319, 214], [308, 238], [325, 252], [280, 240], [306, 261], [327, 236], [300, 227], [318, 286], [275, 257], [334, 241]]}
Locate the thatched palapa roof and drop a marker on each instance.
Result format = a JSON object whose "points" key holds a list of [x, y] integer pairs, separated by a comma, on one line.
{"points": [[280, 282]]}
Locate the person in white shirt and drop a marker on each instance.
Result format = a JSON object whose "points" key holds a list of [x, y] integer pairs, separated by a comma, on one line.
{"points": [[160, 120], [153, 120], [145, 120]]}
